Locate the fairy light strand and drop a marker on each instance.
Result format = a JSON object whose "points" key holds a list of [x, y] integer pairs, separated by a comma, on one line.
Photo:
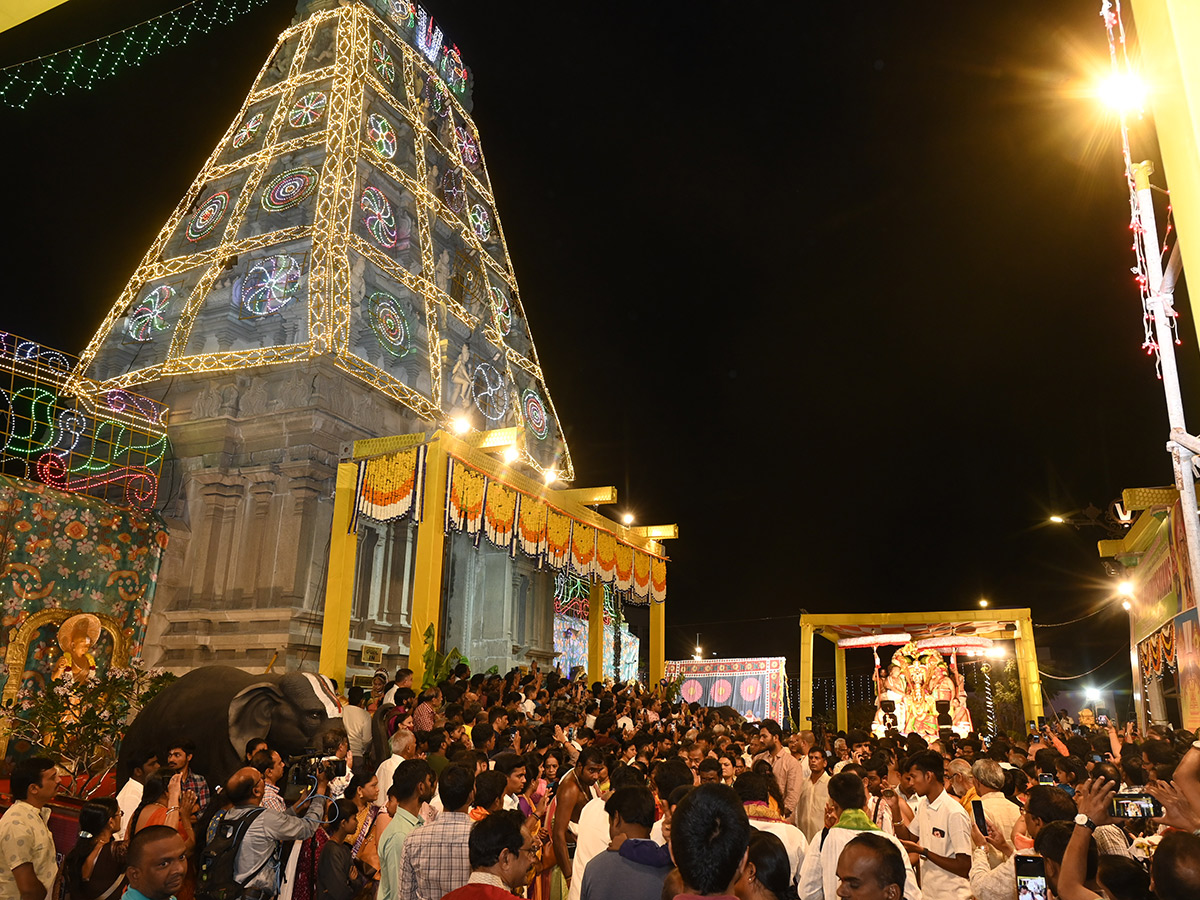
{"points": [[83, 65], [1114, 26]]}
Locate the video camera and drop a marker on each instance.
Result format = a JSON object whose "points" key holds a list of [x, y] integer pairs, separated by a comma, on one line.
{"points": [[302, 772]]}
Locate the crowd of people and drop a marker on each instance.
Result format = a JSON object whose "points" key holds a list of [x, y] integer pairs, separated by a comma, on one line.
{"points": [[486, 786]]}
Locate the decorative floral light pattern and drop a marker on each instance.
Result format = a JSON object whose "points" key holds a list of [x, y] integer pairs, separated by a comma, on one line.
{"points": [[208, 216], [289, 188], [453, 192], [404, 12], [481, 221], [381, 135], [389, 324], [378, 217], [453, 69], [720, 692], [501, 311], [247, 130], [150, 314], [269, 286], [383, 62], [308, 109], [467, 146], [488, 391], [535, 413], [438, 97]]}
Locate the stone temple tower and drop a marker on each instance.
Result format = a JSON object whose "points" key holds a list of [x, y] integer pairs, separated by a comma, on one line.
{"points": [[336, 271]]}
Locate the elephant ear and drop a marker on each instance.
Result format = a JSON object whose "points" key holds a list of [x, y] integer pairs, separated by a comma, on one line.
{"points": [[251, 712]]}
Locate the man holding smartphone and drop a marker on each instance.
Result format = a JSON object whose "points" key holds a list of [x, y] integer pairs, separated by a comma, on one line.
{"points": [[941, 832]]}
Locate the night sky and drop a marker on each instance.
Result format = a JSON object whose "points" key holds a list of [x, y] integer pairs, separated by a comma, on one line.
{"points": [[845, 295]]}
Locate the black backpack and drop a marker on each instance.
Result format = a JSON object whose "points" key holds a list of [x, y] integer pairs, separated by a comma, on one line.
{"points": [[215, 880]]}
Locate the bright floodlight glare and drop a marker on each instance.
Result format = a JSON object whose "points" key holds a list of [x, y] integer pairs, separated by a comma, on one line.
{"points": [[995, 652], [1057, 520], [461, 425], [1091, 695], [1126, 605], [1122, 92], [627, 518], [983, 602], [551, 476], [1125, 588], [511, 454]]}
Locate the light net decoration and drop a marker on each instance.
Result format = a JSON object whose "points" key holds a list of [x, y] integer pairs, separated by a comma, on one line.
{"points": [[347, 212], [74, 435]]}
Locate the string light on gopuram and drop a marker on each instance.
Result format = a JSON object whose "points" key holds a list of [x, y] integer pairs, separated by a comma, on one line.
{"points": [[501, 311], [84, 65], [305, 265], [385, 66], [535, 414], [150, 314], [389, 324], [208, 216], [381, 135], [308, 109], [489, 392], [246, 131], [468, 147], [287, 189], [269, 286], [481, 221], [377, 215]]}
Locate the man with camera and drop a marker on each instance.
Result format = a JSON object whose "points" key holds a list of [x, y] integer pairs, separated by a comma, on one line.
{"points": [[258, 855]]}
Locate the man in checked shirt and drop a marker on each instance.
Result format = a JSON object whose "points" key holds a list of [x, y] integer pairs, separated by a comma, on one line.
{"points": [[436, 860], [179, 759]]}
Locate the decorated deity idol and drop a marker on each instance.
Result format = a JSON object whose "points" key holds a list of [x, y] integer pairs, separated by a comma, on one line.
{"points": [[77, 637]]}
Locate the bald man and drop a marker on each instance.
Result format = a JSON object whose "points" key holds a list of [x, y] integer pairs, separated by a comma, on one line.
{"points": [[262, 842]]}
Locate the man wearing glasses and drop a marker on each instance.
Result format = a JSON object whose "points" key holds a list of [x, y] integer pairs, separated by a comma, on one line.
{"points": [[502, 855]]}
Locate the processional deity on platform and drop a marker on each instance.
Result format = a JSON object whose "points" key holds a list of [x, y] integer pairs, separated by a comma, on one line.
{"points": [[906, 695]]}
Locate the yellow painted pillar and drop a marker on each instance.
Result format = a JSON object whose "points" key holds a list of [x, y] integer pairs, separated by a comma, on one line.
{"points": [[1027, 670], [1169, 33], [806, 674], [839, 685], [339, 579], [658, 643], [427, 567], [596, 631]]}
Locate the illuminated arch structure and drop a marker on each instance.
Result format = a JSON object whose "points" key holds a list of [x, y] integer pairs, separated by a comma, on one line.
{"points": [[336, 271]]}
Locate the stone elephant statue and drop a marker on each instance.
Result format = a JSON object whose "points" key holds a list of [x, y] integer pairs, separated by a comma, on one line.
{"points": [[220, 708]]}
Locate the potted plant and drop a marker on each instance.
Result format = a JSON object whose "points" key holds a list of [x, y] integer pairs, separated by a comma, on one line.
{"points": [[80, 721]]}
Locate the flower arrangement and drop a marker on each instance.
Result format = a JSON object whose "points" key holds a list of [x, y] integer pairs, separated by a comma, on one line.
{"points": [[80, 721]]}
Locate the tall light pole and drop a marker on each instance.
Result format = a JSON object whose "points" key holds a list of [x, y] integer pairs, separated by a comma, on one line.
{"points": [[1157, 289]]}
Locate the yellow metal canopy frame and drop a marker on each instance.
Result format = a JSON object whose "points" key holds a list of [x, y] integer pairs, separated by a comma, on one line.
{"points": [[476, 451], [999, 624]]}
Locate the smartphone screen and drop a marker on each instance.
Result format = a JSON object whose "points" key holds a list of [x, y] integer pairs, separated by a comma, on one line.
{"points": [[1135, 806], [980, 820], [1102, 720], [1041, 722], [1031, 878], [1046, 779]]}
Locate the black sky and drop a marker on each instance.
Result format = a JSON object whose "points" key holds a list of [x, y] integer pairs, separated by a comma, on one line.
{"points": [[843, 290]]}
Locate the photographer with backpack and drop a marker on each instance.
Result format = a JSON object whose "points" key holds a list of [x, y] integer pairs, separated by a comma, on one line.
{"points": [[241, 860]]}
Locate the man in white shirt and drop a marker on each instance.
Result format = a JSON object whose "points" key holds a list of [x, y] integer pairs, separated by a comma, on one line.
{"points": [[1000, 812], [129, 798], [818, 876], [810, 810], [404, 746], [941, 832], [357, 722], [593, 835], [404, 679], [28, 864]]}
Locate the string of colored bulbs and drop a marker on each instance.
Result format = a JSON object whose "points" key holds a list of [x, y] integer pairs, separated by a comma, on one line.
{"points": [[83, 65]]}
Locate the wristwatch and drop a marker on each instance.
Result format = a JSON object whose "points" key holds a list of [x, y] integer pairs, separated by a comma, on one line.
{"points": [[1083, 820], [1196, 745]]}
